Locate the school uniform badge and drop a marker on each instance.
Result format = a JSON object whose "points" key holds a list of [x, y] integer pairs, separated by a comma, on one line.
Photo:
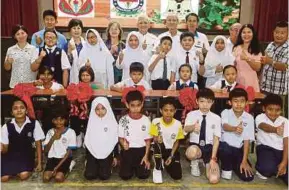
{"points": [[127, 8], [79, 8], [29, 134], [173, 136], [64, 140], [105, 129], [202, 143], [143, 128]]}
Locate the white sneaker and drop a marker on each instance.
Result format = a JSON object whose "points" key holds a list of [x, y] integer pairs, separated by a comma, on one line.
{"points": [[260, 175], [157, 176], [226, 174], [79, 140], [72, 164], [195, 170]]}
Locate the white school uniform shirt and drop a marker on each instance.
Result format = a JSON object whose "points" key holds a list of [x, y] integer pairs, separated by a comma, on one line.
{"points": [[228, 117], [64, 59], [201, 40], [169, 132], [230, 44], [22, 60], [194, 62], [134, 131], [174, 85], [157, 73], [60, 146], [218, 84], [213, 126], [100, 59], [133, 55], [55, 86], [150, 40], [37, 133], [176, 41], [271, 139], [214, 58], [129, 82]]}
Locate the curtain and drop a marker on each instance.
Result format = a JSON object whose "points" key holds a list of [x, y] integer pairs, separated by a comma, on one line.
{"points": [[267, 14], [24, 12]]}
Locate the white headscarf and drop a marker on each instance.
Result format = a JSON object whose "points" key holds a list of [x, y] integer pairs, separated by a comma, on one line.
{"points": [[102, 133], [98, 56], [134, 55], [224, 57]]}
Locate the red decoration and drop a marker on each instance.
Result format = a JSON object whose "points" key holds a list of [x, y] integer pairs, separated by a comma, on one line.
{"points": [[72, 92], [85, 92], [188, 99], [25, 91], [129, 89]]}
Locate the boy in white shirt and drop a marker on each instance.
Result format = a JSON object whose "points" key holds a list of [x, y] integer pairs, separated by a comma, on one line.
{"points": [[187, 54], [272, 140], [134, 138], [162, 66], [59, 143], [205, 130], [167, 132], [237, 132], [136, 72]]}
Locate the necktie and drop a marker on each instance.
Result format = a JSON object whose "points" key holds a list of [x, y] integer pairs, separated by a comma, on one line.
{"points": [[184, 85], [187, 58], [165, 71], [229, 88], [202, 140], [51, 58]]}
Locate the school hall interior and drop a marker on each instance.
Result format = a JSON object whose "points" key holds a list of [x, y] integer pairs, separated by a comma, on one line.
{"points": [[216, 17]]}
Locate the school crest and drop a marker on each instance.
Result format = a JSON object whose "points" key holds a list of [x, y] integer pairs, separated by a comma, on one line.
{"points": [[105, 129], [173, 136], [29, 134], [244, 124], [64, 140], [127, 8], [213, 126], [143, 128], [79, 8]]}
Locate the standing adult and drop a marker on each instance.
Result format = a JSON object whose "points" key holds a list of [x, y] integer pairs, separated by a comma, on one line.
{"points": [[234, 31], [275, 70], [20, 57], [248, 54], [115, 45]]}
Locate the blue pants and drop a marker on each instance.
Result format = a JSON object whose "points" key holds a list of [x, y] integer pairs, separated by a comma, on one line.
{"points": [[268, 160], [231, 159]]}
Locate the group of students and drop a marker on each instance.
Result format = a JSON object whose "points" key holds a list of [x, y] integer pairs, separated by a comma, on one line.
{"points": [[136, 140], [171, 61]]}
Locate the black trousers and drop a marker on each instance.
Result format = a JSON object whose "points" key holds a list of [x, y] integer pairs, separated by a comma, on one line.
{"points": [[130, 164], [97, 168], [160, 84], [268, 160], [206, 152], [161, 153], [231, 159]]}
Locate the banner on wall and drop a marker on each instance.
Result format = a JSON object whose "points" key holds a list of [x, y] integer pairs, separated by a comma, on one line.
{"points": [[127, 8], [75, 8], [179, 7]]}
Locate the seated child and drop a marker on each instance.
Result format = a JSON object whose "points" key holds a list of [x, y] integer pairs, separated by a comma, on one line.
{"points": [[167, 132], [228, 83], [17, 138], [205, 130], [54, 58], [136, 72], [59, 143], [218, 56], [185, 72], [272, 140], [237, 132], [100, 139], [96, 55], [86, 75], [134, 138], [45, 80], [162, 66]]}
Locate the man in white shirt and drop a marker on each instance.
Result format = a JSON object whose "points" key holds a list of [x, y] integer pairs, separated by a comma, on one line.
{"points": [[272, 140], [237, 132], [234, 31]]}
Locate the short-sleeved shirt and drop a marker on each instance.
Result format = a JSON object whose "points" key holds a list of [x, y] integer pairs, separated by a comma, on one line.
{"points": [[150, 40], [213, 125], [157, 73], [176, 46], [60, 146], [55, 86], [193, 59], [37, 133], [201, 40], [134, 131], [170, 132], [61, 40], [174, 85], [129, 82], [271, 139], [21, 66], [228, 117], [274, 81]]}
